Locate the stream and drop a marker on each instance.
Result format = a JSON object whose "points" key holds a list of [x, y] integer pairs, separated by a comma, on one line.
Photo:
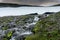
{"points": [[27, 31], [24, 30]]}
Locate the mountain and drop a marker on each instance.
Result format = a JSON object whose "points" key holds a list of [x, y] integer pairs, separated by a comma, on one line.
{"points": [[16, 5], [56, 5]]}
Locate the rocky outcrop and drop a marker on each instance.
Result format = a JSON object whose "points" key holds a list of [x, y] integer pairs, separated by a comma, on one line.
{"points": [[17, 27]]}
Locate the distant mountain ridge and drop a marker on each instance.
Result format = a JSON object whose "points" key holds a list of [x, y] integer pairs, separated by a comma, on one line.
{"points": [[56, 5], [16, 5]]}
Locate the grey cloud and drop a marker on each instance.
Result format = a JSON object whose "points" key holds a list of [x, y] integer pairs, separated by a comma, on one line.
{"points": [[34, 2], [39, 0]]}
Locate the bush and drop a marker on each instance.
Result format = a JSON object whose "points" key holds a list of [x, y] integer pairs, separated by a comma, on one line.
{"points": [[47, 28]]}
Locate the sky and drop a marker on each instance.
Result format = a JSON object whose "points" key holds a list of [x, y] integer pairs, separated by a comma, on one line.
{"points": [[10, 11], [33, 2]]}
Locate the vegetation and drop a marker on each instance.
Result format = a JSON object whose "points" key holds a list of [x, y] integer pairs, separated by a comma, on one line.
{"points": [[47, 28], [17, 19], [8, 35], [11, 22]]}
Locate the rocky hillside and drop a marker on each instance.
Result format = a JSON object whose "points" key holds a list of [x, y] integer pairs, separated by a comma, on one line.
{"points": [[17, 27], [31, 27], [47, 28]]}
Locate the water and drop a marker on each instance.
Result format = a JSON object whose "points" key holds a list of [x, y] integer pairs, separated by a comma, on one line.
{"points": [[7, 11], [23, 31], [26, 33]]}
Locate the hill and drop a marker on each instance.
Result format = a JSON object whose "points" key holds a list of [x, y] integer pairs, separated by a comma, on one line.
{"points": [[31, 27], [47, 28]]}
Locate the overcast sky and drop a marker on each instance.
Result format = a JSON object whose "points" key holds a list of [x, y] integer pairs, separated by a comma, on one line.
{"points": [[33, 2]]}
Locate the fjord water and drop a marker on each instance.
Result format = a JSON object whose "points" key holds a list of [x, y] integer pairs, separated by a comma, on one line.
{"points": [[8, 11]]}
